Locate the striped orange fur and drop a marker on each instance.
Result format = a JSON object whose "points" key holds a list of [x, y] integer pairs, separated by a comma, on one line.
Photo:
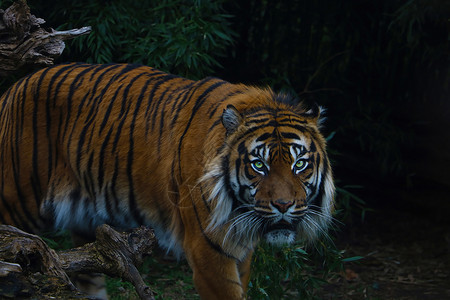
{"points": [[213, 167]]}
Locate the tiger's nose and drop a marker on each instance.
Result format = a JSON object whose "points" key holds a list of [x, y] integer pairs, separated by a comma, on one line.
{"points": [[282, 205]]}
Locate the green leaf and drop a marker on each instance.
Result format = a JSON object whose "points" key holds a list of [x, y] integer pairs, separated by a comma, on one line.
{"points": [[353, 258]]}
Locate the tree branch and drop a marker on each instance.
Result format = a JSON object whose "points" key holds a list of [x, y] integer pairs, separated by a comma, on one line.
{"points": [[24, 256], [24, 42]]}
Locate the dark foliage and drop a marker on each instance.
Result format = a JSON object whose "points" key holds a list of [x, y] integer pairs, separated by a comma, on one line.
{"points": [[182, 37], [376, 66]]}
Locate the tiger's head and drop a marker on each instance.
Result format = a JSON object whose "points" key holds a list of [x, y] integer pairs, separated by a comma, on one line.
{"points": [[272, 178]]}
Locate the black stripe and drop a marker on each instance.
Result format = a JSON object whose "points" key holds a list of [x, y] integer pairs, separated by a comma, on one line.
{"points": [[242, 188], [60, 80], [101, 168], [113, 79], [212, 244], [109, 109], [49, 118], [257, 121], [15, 152], [292, 119], [5, 202], [217, 122], [154, 76], [257, 114], [100, 67], [313, 147], [35, 178], [20, 115], [274, 124], [132, 200], [90, 184], [160, 99], [187, 97], [115, 185], [290, 135], [151, 102], [227, 183], [23, 223], [111, 216], [72, 88], [126, 104], [20, 195], [163, 110], [174, 187], [92, 92], [58, 133], [198, 103], [17, 100], [81, 144], [264, 136], [213, 109], [318, 200], [205, 201]]}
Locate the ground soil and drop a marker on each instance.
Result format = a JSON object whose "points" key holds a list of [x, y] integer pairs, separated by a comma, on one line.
{"points": [[405, 244]]}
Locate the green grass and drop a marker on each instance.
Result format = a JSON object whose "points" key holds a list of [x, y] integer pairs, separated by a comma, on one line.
{"points": [[60, 240], [277, 273], [168, 280]]}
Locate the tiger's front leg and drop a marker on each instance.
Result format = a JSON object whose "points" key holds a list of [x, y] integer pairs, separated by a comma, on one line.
{"points": [[216, 275], [244, 271]]}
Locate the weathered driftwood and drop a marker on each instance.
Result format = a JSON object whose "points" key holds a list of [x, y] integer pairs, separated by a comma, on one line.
{"points": [[24, 42], [29, 268]]}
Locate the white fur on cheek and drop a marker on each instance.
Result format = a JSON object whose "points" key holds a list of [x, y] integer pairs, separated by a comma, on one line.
{"points": [[327, 201], [221, 204]]}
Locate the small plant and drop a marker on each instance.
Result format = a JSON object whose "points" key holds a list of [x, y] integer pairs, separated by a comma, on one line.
{"points": [[292, 271], [169, 279], [59, 240], [120, 290]]}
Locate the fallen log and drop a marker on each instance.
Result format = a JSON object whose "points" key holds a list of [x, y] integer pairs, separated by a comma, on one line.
{"points": [[29, 268]]}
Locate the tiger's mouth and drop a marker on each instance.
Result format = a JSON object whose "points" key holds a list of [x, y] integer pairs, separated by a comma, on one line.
{"points": [[280, 233], [281, 225]]}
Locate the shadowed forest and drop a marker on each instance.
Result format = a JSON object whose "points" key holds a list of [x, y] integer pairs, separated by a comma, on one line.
{"points": [[382, 71]]}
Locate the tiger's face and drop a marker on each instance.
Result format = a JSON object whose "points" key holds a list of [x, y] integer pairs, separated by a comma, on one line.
{"points": [[277, 172], [276, 175]]}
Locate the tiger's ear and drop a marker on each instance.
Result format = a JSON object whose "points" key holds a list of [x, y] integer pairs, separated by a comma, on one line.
{"points": [[231, 119], [315, 114]]}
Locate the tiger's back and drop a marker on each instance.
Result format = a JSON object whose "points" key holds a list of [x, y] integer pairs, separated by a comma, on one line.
{"points": [[208, 164], [73, 157]]}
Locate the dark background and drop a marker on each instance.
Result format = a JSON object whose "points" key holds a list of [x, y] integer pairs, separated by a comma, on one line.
{"points": [[380, 68]]}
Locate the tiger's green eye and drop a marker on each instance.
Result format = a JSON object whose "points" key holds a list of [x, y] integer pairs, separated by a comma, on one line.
{"points": [[300, 165], [259, 166]]}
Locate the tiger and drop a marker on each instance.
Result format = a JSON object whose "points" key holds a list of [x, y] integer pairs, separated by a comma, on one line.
{"points": [[213, 167]]}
